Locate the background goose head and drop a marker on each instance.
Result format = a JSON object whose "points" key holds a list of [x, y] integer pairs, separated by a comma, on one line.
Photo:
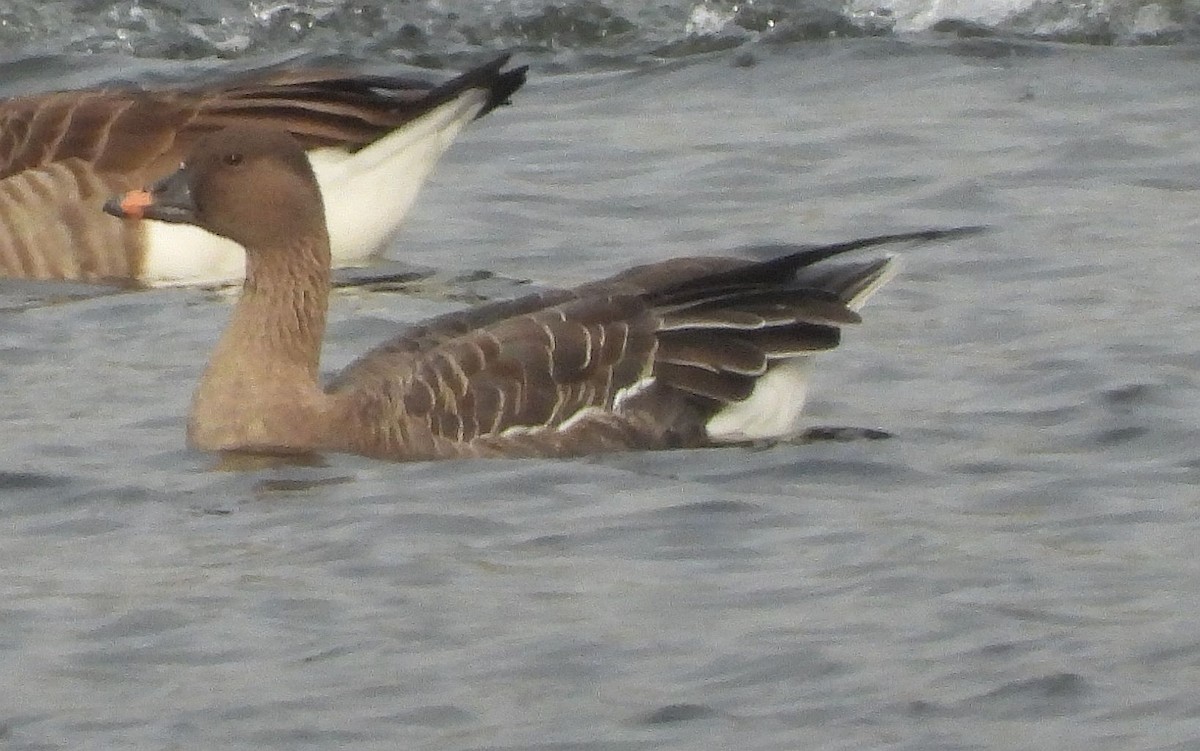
{"points": [[253, 185]]}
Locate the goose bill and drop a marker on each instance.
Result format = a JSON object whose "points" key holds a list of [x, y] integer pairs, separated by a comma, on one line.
{"points": [[168, 200]]}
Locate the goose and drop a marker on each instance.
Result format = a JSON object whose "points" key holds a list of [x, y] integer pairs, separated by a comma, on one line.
{"points": [[691, 352], [372, 141]]}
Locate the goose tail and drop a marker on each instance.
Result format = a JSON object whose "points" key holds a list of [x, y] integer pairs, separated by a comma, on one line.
{"points": [[741, 341]]}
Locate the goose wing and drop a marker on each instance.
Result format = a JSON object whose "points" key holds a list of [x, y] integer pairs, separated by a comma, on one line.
{"points": [[641, 360]]}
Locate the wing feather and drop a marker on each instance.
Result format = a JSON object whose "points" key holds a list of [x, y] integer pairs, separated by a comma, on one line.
{"points": [[643, 359]]}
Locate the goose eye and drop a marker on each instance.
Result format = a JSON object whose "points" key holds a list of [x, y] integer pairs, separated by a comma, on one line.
{"points": [[232, 159]]}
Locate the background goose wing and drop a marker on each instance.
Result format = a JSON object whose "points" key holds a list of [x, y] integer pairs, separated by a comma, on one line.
{"points": [[146, 133]]}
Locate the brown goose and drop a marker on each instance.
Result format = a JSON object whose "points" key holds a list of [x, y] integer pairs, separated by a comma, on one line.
{"points": [[690, 352], [372, 140]]}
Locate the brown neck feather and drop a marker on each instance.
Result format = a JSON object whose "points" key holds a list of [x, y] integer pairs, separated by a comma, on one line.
{"points": [[260, 389], [282, 310]]}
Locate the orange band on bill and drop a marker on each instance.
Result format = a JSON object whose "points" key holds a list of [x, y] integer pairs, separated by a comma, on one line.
{"points": [[134, 203]]}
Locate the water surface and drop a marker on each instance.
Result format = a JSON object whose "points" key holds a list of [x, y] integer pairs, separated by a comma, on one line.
{"points": [[1014, 569]]}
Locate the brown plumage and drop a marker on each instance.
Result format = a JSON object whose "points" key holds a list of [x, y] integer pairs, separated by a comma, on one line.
{"points": [[643, 360], [63, 153]]}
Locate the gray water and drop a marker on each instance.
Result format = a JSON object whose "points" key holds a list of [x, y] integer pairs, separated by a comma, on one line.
{"points": [[1013, 569]]}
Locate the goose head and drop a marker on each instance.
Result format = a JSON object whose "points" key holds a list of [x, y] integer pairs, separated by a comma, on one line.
{"points": [[253, 185]]}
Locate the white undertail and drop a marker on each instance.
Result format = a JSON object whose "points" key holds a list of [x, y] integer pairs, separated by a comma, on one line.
{"points": [[775, 406]]}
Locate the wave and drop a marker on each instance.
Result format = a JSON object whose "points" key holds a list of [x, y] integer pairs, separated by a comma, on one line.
{"points": [[577, 35]]}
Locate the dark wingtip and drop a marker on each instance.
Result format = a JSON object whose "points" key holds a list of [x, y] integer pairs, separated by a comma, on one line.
{"points": [[506, 84], [796, 256], [783, 261], [499, 83], [820, 252]]}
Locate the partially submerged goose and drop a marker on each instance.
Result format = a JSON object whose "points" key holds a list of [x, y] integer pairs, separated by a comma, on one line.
{"points": [[685, 353], [372, 141]]}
